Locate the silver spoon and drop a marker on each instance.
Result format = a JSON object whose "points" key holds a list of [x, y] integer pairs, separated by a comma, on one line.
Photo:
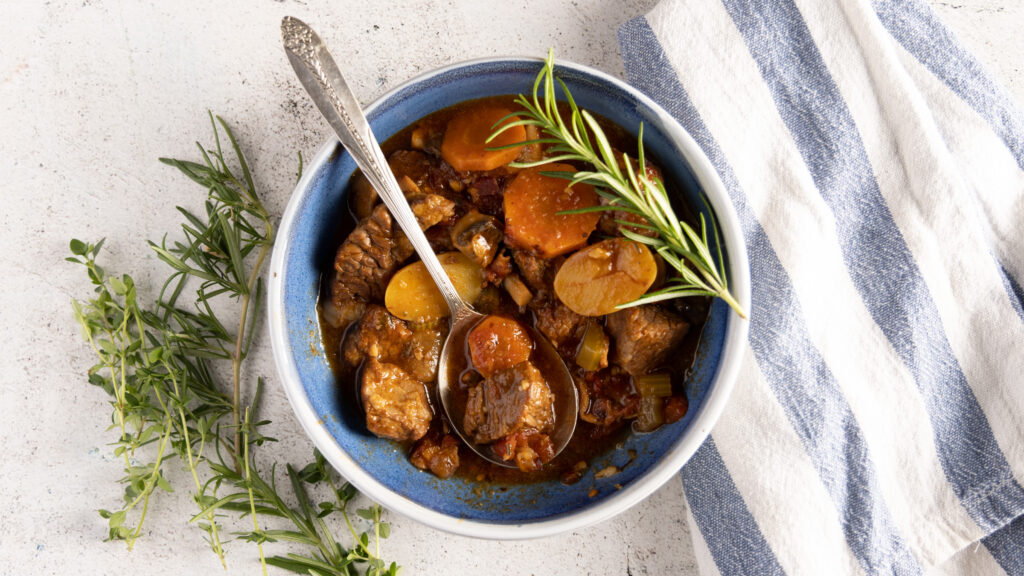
{"points": [[320, 75]]}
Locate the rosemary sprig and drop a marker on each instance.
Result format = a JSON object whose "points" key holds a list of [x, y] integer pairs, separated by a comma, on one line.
{"points": [[628, 190], [159, 366]]}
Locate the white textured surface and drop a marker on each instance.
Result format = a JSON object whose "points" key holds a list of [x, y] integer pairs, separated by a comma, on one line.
{"points": [[92, 93]]}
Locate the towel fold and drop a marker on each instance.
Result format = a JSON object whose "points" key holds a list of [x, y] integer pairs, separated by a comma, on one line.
{"points": [[877, 425]]}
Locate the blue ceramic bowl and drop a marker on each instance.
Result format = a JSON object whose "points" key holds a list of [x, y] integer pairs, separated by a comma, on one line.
{"points": [[379, 468]]}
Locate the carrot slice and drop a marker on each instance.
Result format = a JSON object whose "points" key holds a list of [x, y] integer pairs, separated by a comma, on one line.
{"points": [[465, 145], [498, 343], [532, 203]]}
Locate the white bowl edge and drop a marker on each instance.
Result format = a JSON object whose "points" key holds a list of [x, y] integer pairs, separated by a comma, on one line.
{"points": [[708, 414]]}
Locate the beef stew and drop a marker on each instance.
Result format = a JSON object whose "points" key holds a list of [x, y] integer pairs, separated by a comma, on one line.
{"points": [[505, 224]]}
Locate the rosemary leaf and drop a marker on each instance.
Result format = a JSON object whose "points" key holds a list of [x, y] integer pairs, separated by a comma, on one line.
{"points": [[626, 189]]}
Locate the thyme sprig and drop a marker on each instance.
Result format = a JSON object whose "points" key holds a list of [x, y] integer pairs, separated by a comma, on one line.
{"points": [[624, 188], [159, 363]]}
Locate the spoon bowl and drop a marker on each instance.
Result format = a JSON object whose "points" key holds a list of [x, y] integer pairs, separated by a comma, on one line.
{"points": [[452, 392], [322, 79]]}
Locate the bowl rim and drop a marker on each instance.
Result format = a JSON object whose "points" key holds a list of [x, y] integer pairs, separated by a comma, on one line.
{"points": [[612, 505]]}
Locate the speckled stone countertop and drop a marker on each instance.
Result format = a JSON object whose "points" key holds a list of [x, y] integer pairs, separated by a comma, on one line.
{"points": [[92, 92]]}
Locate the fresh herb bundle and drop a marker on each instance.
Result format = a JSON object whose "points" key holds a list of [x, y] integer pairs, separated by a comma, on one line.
{"points": [[625, 189], [158, 364]]}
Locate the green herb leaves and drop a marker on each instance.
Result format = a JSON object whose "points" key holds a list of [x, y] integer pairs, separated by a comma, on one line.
{"points": [[626, 188], [159, 365]]}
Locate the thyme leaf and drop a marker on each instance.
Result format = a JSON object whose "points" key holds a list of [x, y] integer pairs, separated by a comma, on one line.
{"points": [[159, 362]]}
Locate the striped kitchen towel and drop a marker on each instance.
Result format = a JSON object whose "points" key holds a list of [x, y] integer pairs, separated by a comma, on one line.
{"points": [[877, 426]]}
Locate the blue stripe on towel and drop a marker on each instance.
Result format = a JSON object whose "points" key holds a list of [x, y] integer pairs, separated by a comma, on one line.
{"points": [[732, 535], [1013, 290], [919, 30], [879, 261], [1006, 545], [794, 369]]}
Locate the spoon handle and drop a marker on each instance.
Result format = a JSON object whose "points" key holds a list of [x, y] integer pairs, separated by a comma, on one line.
{"points": [[320, 75]]}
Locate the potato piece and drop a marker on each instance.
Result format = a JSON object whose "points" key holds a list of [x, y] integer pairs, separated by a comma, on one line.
{"points": [[497, 343], [593, 281], [412, 295], [465, 145], [532, 203]]}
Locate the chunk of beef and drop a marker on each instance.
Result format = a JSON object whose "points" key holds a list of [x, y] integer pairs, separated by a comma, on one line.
{"points": [[489, 301], [607, 397], [562, 327], [438, 453], [488, 194], [440, 236], [412, 164], [379, 335], [429, 173], [534, 270], [422, 352], [644, 336], [414, 172], [429, 209], [499, 268], [510, 400], [374, 250], [529, 448], [396, 403], [537, 273], [389, 339]]}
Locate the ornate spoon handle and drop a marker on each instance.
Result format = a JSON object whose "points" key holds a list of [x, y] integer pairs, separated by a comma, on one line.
{"points": [[320, 75]]}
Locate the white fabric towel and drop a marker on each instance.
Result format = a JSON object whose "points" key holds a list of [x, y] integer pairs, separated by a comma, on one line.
{"points": [[877, 426]]}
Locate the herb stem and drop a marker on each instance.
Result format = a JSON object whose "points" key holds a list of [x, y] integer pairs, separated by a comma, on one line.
{"points": [[342, 506], [376, 533], [123, 365], [118, 404], [214, 532], [150, 484], [252, 500], [246, 298], [118, 375]]}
